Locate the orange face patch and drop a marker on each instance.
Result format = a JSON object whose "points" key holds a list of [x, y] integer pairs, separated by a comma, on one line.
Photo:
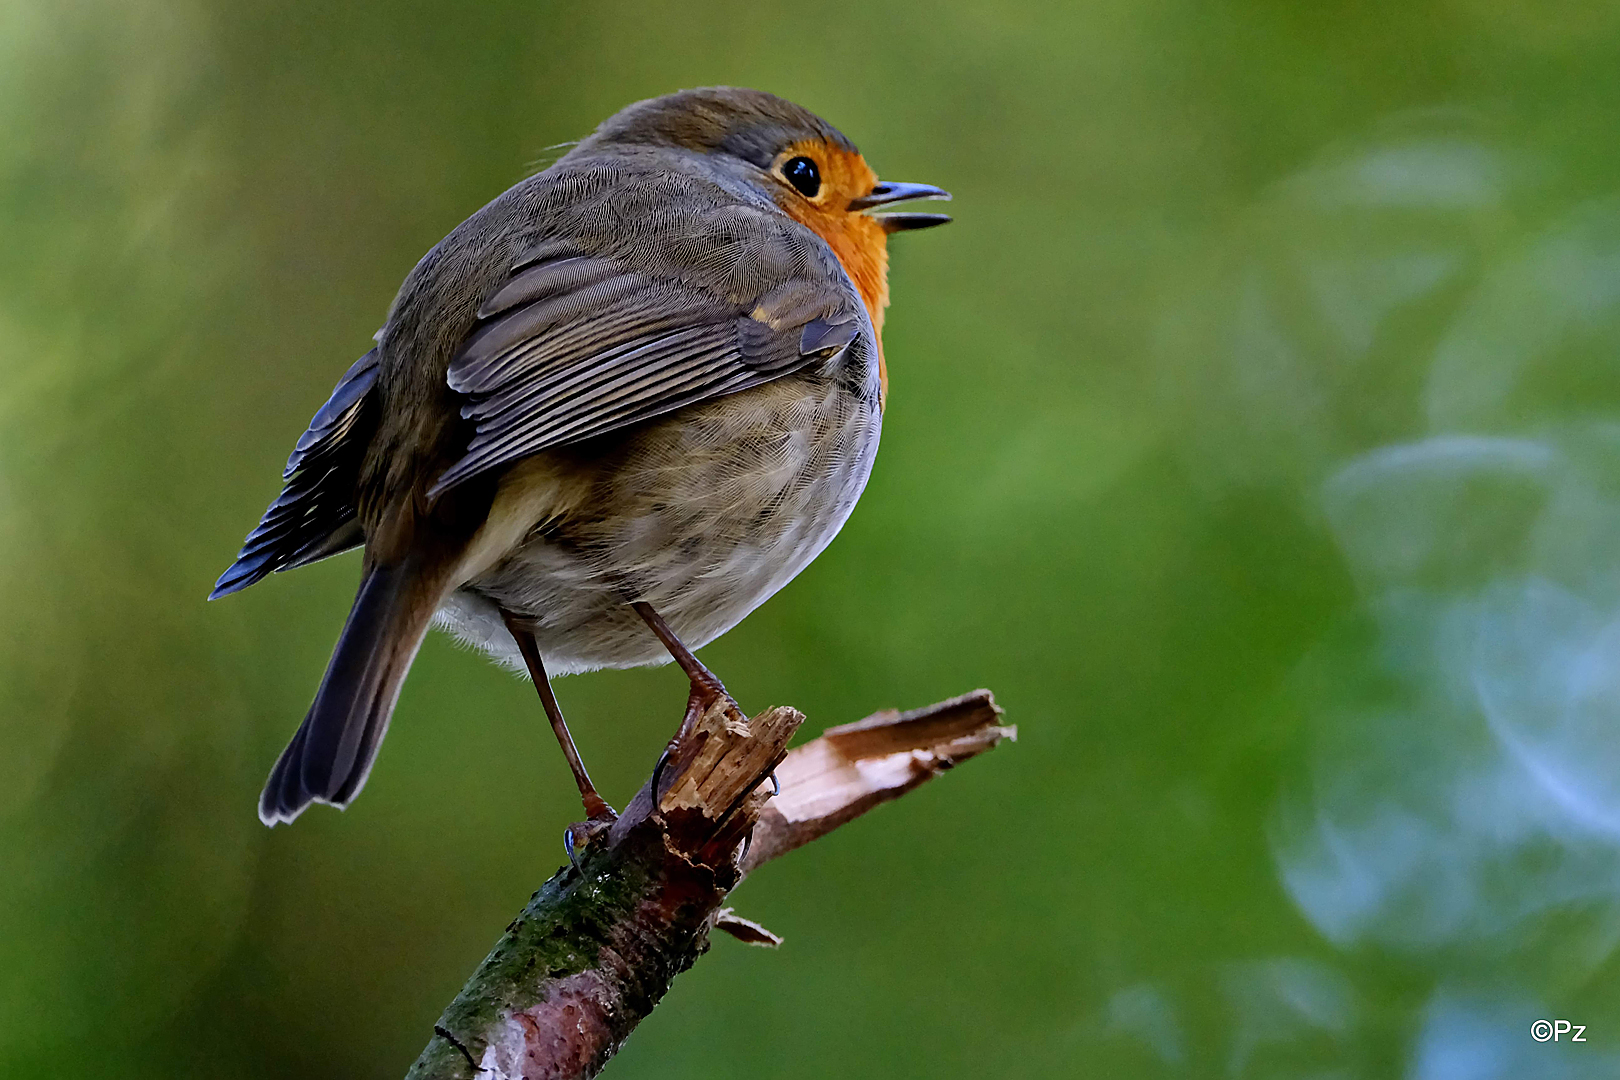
{"points": [[859, 242]]}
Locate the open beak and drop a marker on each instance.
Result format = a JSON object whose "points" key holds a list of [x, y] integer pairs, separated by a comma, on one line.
{"points": [[887, 193]]}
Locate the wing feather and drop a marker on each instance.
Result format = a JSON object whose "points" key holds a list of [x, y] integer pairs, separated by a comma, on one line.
{"points": [[572, 347], [314, 516]]}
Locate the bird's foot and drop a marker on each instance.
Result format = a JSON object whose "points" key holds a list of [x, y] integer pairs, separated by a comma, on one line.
{"points": [[578, 837], [658, 769], [706, 692]]}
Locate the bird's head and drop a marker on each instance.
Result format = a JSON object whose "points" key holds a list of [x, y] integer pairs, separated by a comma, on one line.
{"points": [[803, 164]]}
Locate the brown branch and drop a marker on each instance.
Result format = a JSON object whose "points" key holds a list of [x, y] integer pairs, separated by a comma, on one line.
{"points": [[599, 944]]}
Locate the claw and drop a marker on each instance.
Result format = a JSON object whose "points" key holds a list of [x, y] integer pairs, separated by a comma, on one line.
{"points": [[658, 773], [579, 837]]}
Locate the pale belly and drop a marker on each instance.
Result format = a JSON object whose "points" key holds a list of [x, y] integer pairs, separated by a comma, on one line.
{"points": [[704, 516]]}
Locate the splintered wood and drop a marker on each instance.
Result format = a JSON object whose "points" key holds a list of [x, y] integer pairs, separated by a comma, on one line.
{"points": [[725, 758], [852, 768]]}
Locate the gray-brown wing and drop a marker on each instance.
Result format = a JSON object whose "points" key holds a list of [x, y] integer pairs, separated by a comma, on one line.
{"points": [[314, 516], [572, 347]]}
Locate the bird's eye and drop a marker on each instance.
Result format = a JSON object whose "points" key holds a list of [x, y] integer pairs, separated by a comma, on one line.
{"points": [[802, 173]]}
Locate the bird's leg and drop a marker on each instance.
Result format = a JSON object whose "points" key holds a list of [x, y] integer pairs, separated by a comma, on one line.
{"points": [[596, 808], [706, 686]]}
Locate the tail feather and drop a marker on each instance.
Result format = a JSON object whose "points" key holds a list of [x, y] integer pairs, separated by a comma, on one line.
{"points": [[331, 754]]}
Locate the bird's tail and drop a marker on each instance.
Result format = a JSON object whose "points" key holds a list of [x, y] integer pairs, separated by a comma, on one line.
{"points": [[331, 754]]}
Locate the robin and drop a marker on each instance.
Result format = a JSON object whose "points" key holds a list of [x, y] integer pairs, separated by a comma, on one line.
{"points": [[608, 416]]}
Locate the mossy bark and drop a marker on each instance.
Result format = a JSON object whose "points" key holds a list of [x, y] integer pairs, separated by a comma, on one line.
{"points": [[628, 931]]}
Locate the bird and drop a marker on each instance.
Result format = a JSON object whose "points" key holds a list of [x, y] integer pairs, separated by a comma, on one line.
{"points": [[606, 417]]}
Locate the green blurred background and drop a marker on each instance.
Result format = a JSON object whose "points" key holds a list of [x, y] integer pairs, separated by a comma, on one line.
{"points": [[1253, 434]]}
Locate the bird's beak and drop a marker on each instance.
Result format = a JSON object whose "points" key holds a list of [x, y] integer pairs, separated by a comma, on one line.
{"points": [[886, 193]]}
